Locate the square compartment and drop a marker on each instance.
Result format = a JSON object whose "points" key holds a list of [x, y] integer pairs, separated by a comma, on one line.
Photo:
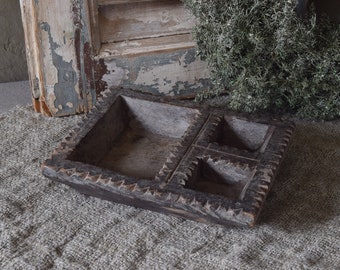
{"points": [[221, 177], [241, 134], [135, 137]]}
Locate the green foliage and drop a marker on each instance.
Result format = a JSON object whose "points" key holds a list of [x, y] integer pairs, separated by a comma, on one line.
{"points": [[267, 58]]}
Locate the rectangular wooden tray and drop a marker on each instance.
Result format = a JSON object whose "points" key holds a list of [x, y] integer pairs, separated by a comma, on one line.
{"points": [[173, 157]]}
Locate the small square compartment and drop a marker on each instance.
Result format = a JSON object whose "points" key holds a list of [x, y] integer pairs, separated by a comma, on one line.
{"points": [[241, 134], [135, 137], [221, 177]]}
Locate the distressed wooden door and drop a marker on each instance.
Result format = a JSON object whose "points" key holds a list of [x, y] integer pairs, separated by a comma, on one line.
{"points": [[78, 48]]}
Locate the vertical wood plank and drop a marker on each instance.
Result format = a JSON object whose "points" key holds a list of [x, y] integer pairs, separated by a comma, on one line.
{"points": [[59, 50], [94, 25], [33, 50]]}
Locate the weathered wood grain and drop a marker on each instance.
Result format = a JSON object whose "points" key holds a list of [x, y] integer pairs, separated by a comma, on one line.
{"points": [[172, 73], [77, 49], [143, 20], [58, 46], [33, 54], [112, 2], [93, 22], [146, 46]]}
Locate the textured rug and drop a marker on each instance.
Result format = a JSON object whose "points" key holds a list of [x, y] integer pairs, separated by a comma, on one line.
{"points": [[47, 225]]}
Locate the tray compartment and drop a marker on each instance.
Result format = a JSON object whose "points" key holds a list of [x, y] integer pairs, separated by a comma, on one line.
{"points": [[135, 137], [221, 177], [241, 134]]}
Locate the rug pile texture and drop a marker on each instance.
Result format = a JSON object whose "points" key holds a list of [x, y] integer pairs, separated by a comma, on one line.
{"points": [[47, 225]]}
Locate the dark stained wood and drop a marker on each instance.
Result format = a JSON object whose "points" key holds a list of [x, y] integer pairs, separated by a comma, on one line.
{"points": [[199, 176]]}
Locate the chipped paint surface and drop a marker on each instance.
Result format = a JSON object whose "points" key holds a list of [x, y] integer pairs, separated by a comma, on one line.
{"points": [[172, 73], [66, 81], [84, 55], [64, 77], [116, 74], [100, 72]]}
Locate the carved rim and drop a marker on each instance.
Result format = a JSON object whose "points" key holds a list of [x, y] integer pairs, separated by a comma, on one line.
{"points": [[168, 188]]}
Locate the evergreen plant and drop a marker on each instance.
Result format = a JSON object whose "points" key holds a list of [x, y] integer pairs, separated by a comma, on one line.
{"points": [[267, 58]]}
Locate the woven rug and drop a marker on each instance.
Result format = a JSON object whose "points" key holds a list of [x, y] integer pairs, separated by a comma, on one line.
{"points": [[47, 225]]}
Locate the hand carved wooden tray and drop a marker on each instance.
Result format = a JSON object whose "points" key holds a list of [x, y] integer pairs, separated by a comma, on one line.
{"points": [[203, 164]]}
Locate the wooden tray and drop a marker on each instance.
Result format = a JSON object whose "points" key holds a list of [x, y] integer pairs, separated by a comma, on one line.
{"points": [[207, 164]]}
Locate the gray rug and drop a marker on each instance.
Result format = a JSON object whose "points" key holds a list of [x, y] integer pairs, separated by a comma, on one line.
{"points": [[46, 225]]}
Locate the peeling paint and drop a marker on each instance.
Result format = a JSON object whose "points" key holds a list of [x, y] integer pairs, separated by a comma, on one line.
{"points": [[69, 77], [66, 76], [64, 89], [35, 88], [115, 74], [175, 73], [84, 55], [100, 72], [182, 71]]}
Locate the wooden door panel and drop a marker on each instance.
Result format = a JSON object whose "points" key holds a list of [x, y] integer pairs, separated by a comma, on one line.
{"points": [[78, 48], [131, 21], [57, 39]]}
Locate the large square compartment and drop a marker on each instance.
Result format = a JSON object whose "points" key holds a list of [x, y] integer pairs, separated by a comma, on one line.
{"points": [[135, 137]]}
